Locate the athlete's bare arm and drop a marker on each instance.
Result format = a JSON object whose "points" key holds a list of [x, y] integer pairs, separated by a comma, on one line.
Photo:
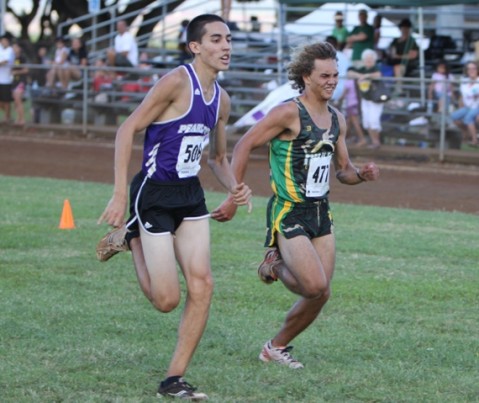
{"points": [[346, 172], [168, 98], [283, 121], [218, 159]]}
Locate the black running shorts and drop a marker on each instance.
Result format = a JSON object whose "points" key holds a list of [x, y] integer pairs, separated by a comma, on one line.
{"points": [[163, 206], [311, 219]]}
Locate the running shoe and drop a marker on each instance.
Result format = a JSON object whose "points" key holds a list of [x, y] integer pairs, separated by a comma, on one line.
{"points": [[267, 269], [181, 390], [281, 355], [111, 244]]}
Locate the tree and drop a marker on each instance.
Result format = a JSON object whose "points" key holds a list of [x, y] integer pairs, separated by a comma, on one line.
{"points": [[55, 12]]}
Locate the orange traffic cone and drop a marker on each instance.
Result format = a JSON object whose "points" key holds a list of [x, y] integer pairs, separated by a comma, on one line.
{"points": [[66, 221]]}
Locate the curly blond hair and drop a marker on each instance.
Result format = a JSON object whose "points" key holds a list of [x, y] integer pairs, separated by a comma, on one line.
{"points": [[302, 63]]}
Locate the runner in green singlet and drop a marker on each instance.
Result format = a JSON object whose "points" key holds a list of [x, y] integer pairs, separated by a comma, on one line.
{"points": [[305, 135]]}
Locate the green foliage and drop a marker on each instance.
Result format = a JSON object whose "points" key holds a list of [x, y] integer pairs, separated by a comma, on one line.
{"points": [[401, 325]]}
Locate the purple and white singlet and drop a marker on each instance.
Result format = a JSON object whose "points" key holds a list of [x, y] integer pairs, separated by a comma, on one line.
{"points": [[172, 149]]}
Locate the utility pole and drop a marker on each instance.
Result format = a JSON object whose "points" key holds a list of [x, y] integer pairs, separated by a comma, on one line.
{"points": [[3, 10]]}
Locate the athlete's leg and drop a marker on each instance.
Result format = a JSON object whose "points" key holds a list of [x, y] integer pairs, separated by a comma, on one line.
{"points": [[140, 266], [308, 268], [159, 256], [192, 245]]}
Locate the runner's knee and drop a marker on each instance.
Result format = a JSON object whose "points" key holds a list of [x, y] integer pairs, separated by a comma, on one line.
{"points": [[200, 287], [316, 290], [165, 303]]}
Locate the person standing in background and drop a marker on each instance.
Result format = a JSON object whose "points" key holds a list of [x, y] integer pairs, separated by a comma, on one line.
{"points": [[371, 111], [361, 38], [350, 102], [340, 32], [343, 66], [7, 59], [182, 45], [377, 30], [255, 24], [20, 81]]}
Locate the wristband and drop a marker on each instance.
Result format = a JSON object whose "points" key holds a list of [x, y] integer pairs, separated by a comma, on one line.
{"points": [[359, 176]]}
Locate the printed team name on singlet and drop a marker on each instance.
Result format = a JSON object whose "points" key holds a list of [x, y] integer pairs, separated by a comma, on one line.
{"points": [[195, 128]]}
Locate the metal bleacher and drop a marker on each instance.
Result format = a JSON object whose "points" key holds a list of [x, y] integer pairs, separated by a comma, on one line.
{"points": [[258, 64]]}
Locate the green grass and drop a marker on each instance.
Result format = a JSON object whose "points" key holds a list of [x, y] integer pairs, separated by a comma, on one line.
{"points": [[402, 324]]}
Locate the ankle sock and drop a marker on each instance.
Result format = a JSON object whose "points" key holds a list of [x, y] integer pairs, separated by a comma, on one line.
{"points": [[171, 379]]}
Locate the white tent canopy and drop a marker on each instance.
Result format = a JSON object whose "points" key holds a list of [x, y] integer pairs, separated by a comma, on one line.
{"points": [[318, 24]]}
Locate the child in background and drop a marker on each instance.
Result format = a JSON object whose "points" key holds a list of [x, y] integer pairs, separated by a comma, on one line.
{"points": [[438, 86], [351, 110], [20, 80]]}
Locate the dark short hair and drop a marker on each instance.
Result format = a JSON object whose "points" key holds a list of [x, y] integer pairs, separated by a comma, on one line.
{"points": [[332, 40], [196, 27], [406, 22]]}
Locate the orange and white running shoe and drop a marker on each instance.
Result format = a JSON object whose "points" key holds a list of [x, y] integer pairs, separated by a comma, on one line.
{"points": [[281, 355], [267, 269], [111, 244]]}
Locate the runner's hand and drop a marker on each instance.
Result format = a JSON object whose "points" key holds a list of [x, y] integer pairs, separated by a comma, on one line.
{"points": [[226, 211], [114, 213], [242, 196], [369, 172]]}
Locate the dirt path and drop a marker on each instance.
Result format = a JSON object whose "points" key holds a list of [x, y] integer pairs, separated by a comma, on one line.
{"points": [[407, 185]]}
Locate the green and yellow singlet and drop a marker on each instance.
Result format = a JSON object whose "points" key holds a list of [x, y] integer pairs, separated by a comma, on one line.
{"points": [[300, 168]]}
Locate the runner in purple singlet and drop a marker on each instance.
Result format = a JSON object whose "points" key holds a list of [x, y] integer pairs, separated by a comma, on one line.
{"points": [[169, 223]]}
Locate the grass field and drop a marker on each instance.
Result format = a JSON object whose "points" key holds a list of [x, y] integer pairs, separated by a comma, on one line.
{"points": [[402, 324]]}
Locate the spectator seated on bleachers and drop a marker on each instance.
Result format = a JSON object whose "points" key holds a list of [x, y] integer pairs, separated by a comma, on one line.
{"points": [[102, 81], [466, 116], [60, 62], [403, 54], [441, 89]]}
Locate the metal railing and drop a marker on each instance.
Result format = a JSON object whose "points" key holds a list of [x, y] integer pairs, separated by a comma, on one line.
{"points": [[81, 98], [253, 64]]}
